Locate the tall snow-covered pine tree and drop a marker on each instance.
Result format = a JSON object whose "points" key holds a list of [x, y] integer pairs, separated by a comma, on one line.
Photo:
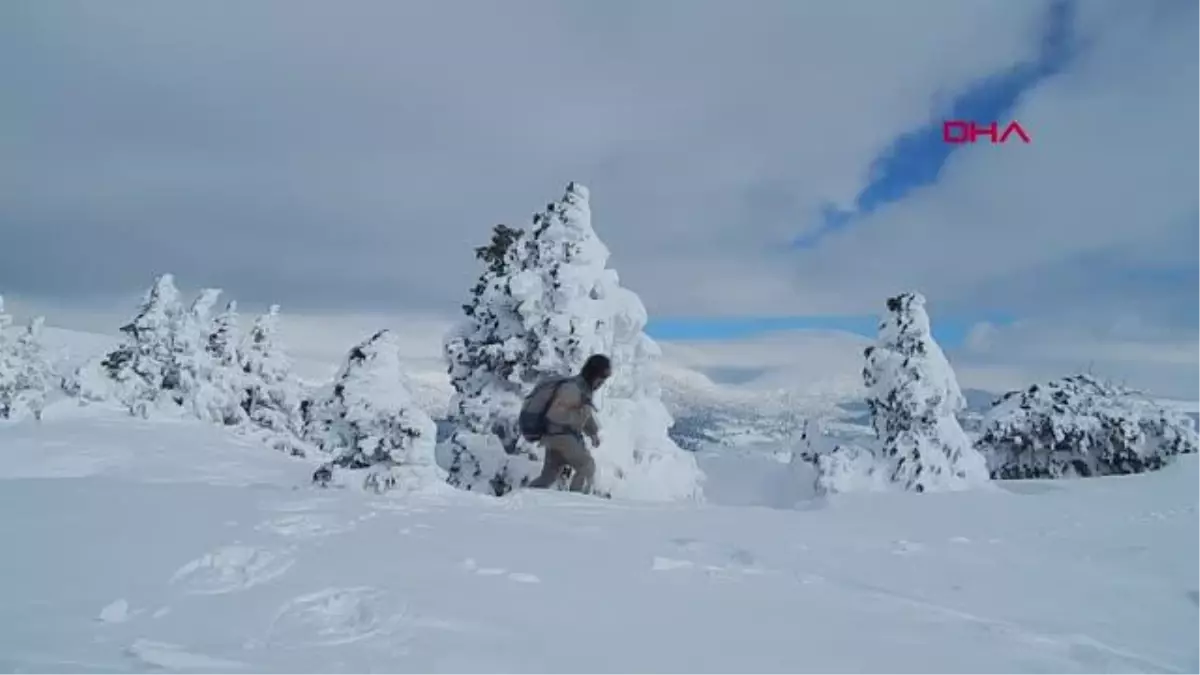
{"points": [[143, 366], [913, 397], [490, 364], [546, 303], [270, 395]]}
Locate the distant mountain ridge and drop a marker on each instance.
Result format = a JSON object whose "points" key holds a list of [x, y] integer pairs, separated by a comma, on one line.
{"points": [[706, 412]]}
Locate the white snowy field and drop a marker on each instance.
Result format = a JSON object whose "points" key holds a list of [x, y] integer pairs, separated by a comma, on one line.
{"points": [[140, 546]]}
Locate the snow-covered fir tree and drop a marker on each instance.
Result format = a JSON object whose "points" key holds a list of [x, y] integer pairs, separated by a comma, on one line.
{"points": [[189, 355], [490, 365], [143, 367], [8, 364], [544, 304], [209, 385], [35, 377], [367, 419], [1081, 426], [226, 380], [223, 336], [913, 398], [26, 375], [270, 396]]}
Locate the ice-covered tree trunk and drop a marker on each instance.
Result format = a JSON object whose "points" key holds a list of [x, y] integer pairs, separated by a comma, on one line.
{"points": [[270, 396], [143, 367], [368, 419], [546, 302], [913, 398]]}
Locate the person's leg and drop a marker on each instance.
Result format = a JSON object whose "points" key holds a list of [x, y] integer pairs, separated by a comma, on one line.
{"points": [[576, 454], [551, 467]]}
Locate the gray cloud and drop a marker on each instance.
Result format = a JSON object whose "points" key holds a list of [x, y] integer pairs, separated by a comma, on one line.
{"points": [[349, 156], [1061, 227]]}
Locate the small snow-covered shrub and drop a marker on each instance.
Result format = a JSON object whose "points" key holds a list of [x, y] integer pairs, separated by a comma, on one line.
{"points": [[368, 420], [830, 465], [1081, 426], [851, 468]]}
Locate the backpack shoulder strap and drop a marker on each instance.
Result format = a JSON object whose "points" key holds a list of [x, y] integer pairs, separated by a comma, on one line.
{"points": [[550, 400]]}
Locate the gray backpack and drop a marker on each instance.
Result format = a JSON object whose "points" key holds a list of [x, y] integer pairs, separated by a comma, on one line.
{"points": [[532, 420]]}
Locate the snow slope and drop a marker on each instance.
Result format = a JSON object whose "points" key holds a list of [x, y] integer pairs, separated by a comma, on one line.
{"points": [[139, 546]]}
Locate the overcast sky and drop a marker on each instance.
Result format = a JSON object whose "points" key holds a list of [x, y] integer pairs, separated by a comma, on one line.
{"points": [[347, 156]]}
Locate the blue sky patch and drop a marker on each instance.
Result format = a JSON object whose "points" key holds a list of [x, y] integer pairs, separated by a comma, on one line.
{"points": [[916, 158]]}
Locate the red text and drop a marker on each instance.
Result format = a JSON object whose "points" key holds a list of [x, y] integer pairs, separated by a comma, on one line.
{"points": [[964, 131]]}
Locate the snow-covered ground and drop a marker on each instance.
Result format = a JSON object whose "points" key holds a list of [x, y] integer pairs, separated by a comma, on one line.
{"points": [[137, 546]]}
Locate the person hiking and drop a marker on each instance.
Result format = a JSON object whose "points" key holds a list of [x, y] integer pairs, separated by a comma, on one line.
{"points": [[569, 416]]}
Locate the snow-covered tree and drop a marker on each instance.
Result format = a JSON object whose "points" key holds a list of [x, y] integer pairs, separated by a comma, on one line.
{"points": [[913, 398], [143, 367], [35, 377], [9, 365], [544, 304], [490, 365], [225, 379], [209, 385], [368, 419], [270, 395], [1081, 426], [189, 353], [223, 336], [26, 375]]}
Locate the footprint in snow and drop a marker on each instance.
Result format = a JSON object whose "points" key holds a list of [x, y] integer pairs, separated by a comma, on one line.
{"points": [[116, 611], [173, 657], [333, 616], [722, 558], [300, 506], [232, 568], [305, 525], [662, 564], [904, 547], [520, 577]]}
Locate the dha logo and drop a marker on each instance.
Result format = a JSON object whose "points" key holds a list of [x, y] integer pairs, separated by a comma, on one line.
{"points": [[964, 131]]}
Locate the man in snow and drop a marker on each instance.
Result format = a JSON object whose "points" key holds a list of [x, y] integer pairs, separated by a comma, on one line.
{"points": [[569, 416]]}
